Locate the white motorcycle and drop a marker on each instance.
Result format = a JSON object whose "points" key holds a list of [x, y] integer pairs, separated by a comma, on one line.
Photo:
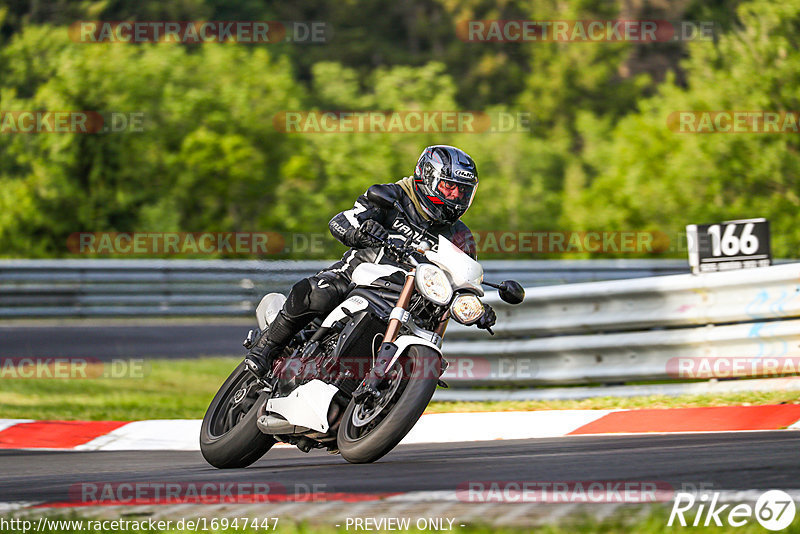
{"points": [[357, 380]]}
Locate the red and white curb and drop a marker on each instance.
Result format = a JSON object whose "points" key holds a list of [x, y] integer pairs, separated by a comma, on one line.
{"points": [[446, 507], [182, 434]]}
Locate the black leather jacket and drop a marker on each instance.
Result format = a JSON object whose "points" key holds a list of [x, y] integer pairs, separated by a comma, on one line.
{"points": [[394, 220]]}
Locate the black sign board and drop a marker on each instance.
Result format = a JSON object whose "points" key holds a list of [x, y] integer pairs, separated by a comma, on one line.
{"points": [[729, 245]]}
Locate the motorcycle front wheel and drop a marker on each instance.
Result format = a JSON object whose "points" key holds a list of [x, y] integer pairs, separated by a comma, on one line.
{"points": [[369, 431], [229, 436]]}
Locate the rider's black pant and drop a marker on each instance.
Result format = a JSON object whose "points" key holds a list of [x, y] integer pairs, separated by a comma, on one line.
{"points": [[309, 298]]}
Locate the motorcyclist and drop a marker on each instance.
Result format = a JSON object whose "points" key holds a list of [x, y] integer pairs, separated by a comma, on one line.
{"points": [[439, 193]]}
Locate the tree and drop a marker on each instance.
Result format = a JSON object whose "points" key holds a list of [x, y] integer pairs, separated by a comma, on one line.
{"points": [[645, 175]]}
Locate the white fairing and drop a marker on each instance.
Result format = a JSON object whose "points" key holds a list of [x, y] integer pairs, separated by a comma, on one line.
{"points": [[353, 304], [463, 271], [268, 309], [306, 406], [403, 342], [366, 273]]}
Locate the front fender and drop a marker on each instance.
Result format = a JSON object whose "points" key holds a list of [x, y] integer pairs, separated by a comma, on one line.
{"points": [[403, 342]]}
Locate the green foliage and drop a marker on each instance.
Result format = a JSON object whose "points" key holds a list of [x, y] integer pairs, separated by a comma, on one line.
{"points": [[203, 162], [599, 156], [640, 173]]}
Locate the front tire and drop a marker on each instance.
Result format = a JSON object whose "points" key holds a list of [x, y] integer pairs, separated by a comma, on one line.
{"points": [[371, 441], [229, 437]]}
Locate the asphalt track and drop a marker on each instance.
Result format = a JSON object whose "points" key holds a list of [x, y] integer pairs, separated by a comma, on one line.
{"points": [[722, 461], [109, 341]]}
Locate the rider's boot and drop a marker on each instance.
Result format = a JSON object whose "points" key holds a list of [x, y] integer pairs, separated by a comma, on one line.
{"points": [[259, 360], [270, 344]]}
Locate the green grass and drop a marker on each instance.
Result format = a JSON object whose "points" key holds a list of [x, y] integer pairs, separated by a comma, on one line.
{"points": [[168, 389], [654, 522], [182, 389]]}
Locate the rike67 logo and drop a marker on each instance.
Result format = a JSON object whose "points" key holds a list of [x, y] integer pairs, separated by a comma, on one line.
{"points": [[774, 510]]}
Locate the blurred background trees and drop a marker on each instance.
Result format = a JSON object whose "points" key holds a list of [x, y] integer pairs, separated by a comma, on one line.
{"points": [[599, 155]]}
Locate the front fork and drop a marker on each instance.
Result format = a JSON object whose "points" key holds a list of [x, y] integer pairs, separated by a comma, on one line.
{"points": [[370, 386]]}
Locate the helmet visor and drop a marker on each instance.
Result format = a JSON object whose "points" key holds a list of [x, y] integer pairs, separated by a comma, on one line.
{"points": [[455, 193]]}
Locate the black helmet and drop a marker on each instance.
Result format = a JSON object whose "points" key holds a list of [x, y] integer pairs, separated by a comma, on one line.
{"points": [[445, 180]]}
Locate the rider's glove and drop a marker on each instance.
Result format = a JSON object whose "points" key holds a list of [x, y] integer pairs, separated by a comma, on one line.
{"points": [[488, 318], [363, 236]]}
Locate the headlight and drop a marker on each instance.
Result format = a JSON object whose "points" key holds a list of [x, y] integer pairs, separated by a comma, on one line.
{"points": [[433, 284], [466, 309]]}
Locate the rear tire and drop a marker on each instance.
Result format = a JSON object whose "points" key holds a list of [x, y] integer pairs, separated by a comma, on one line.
{"points": [[411, 401], [227, 447]]}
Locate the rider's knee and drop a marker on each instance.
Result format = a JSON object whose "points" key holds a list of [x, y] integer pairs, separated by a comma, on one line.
{"points": [[312, 295]]}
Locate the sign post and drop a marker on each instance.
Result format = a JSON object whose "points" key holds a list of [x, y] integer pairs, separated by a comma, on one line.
{"points": [[730, 245]]}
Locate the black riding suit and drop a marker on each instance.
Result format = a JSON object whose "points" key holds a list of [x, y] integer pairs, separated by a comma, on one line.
{"points": [[321, 293]]}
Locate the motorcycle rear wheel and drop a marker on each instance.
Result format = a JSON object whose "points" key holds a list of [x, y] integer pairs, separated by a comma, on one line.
{"points": [[229, 437]]}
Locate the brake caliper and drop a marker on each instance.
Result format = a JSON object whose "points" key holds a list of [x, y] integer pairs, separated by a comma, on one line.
{"points": [[372, 384]]}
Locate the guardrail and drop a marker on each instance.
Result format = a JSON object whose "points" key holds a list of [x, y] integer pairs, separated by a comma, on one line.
{"points": [[92, 288], [634, 329], [573, 333]]}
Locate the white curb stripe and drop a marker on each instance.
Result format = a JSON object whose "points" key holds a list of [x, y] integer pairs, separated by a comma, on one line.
{"points": [[183, 435], [6, 507], [8, 423], [162, 435], [488, 426]]}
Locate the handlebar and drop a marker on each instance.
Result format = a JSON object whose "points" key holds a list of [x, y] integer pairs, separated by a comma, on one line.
{"points": [[403, 252]]}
